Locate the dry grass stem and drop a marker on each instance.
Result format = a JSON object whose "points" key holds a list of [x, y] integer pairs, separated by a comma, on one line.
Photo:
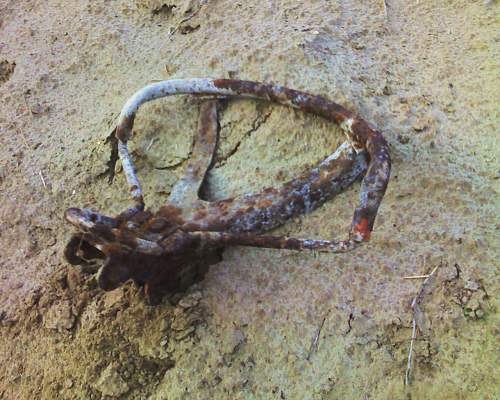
{"points": [[21, 133], [416, 277], [28, 108], [416, 314], [315, 341], [186, 19], [151, 144], [42, 179]]}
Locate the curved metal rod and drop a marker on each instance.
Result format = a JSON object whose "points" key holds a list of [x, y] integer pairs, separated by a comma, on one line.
{"points": [[185, 192], [360, 134], [274, 242]]}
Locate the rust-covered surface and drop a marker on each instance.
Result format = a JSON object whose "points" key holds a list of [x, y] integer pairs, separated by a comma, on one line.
{"points": [[154, 249], [360, 134]]}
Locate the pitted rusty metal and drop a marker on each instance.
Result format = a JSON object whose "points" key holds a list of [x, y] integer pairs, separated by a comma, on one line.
{"points": [[167, 249]]}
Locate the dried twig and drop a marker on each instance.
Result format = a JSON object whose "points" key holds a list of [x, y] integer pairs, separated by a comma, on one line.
{"points": [[151, 144], [42, 179], [417, 300], [28, 108], [416, 277], [314, 343]]}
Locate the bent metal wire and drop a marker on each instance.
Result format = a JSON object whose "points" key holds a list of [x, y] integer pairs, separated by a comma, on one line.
{"points": [[165, 249]]}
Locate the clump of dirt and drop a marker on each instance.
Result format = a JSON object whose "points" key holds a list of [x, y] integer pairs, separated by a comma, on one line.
{"points": [[6, 70], [263, 323]]}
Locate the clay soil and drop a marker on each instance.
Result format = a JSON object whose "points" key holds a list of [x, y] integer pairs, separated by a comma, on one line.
{"points": [[426, 73]]}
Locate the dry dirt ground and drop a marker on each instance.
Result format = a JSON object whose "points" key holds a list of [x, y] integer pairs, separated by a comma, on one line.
{"points": [[426, 73]]}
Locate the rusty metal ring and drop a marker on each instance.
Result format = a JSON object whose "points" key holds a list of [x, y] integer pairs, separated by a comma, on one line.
{"points": [[360, 134]]}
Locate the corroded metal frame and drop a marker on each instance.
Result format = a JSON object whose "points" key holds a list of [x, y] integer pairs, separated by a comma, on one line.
{"points": [[155, 248]]}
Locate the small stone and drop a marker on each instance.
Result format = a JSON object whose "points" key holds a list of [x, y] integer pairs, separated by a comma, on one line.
{"points": [[473, 304], [449, 108], [479, 313], [403, 139], [110, 383], [33, 297], [113, 297], [59, 317], [40, 109], [190, 300], [51, 241], [420, 125], [448, 273], [471, 285], [361, 325]]}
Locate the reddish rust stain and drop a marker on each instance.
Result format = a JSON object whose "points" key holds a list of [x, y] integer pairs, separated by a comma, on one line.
{"points": [[270, 190], [363, 228], [157, 225], [265, 203], [200, 214], [171, 213], [123, 130]]}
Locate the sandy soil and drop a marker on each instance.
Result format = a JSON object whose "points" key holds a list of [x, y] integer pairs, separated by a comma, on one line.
{"points": [[426, 73]]}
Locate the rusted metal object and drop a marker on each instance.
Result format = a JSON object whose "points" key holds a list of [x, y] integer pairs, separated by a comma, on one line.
{"points": [[167, 249]]}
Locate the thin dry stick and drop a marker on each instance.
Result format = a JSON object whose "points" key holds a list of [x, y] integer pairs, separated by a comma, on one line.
{"points": [[384, 2], [42, 179], [21, 133], [151, 144], [414, 305], [416, 277], [314, 343], [186, 19], [28, 108]]}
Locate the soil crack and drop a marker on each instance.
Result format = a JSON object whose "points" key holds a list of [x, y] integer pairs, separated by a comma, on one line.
{"points": [[349, 326], [176, 164], [256, 124]]}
